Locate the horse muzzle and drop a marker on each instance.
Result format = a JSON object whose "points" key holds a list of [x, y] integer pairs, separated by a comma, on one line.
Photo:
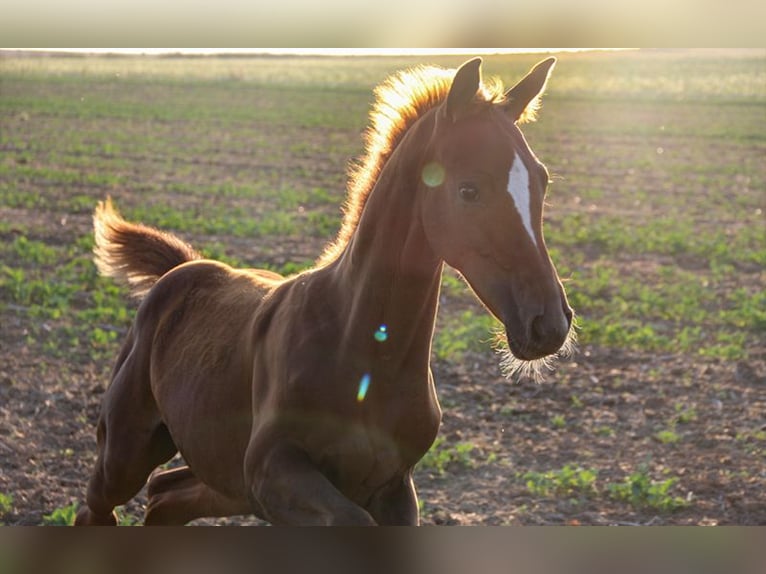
{"points": [[541, 334]]}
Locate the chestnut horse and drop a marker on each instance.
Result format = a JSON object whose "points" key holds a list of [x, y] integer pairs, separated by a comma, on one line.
{"points": [[309, 399]]}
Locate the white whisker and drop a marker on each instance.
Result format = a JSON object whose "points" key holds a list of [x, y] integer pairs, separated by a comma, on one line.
{"points": [[536, 370]]}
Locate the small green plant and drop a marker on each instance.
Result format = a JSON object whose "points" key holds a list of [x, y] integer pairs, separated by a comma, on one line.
{"points": [[759, 435], [125, 519], [6, 503], [63, 516], [641, 491], [558, 421], [685, 415], [462, 454], [667, 436], [440, 456], [604, 430], [568, 481], [752, 441]]}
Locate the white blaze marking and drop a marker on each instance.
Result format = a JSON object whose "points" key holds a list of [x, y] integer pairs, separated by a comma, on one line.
{"points": [[518, 187]]}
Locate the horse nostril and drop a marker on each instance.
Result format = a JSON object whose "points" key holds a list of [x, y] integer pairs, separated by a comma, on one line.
{"points": [[549, 327]]}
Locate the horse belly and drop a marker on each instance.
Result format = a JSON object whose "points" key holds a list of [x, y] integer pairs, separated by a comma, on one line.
{"points": [[210, 424]]}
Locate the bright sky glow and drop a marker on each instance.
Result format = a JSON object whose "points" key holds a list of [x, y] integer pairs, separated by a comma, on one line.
{"points": [[317, 51]]}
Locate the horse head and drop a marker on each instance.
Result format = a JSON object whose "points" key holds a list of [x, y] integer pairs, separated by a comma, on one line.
{"points": [[483, 192]]}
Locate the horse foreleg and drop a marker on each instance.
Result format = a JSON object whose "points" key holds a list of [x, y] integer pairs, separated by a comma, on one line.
{"points": [[176, 497], [396, 504], [288, 489]]}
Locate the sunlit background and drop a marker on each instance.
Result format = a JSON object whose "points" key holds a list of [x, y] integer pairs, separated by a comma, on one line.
{"points": [[318, 51]]}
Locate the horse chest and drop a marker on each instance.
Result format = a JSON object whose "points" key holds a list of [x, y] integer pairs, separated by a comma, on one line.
{"points": [[363, 461], [382, 446]]}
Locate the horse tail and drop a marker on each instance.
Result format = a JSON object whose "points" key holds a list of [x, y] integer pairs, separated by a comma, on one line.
{"points": [[133, 254]]}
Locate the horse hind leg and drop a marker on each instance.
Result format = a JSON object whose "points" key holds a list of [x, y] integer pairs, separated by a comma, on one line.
{"points": [[120, 473], [176, 497], [132, 441]]}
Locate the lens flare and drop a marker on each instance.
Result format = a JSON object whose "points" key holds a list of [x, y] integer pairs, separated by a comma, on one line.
{"points": [[433, 174], [364, 385], [381, 335]]}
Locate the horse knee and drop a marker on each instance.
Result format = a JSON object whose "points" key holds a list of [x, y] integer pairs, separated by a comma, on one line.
{"points": [[162, 509], [177, 497], [171, 479], [172, 497]]}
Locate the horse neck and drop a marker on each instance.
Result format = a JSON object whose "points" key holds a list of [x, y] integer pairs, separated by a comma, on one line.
{"points": [[388, 271]]}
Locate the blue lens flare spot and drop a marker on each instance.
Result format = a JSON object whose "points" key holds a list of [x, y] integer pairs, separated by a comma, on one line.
{"points": [[381, 335], [364, 385]]}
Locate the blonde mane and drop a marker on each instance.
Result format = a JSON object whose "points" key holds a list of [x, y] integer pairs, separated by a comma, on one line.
{"points": [[400, 101]]}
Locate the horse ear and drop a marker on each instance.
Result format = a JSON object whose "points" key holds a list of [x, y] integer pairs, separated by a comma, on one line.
{"points": [[464, 87], [523, 100]]}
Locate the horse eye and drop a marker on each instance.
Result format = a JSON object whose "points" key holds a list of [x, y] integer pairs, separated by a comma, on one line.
{"points": [[469, 192]]}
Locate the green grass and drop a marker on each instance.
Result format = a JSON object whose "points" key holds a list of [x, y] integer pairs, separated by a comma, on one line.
{"points": [[642, 492], [684, 414], [605, 431], [675, 310], [70, 308], [667, 436], [63, 516], [6, 505], [567, 481], [441, 455], [558, 422], [469, 331], [573, 483]]}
